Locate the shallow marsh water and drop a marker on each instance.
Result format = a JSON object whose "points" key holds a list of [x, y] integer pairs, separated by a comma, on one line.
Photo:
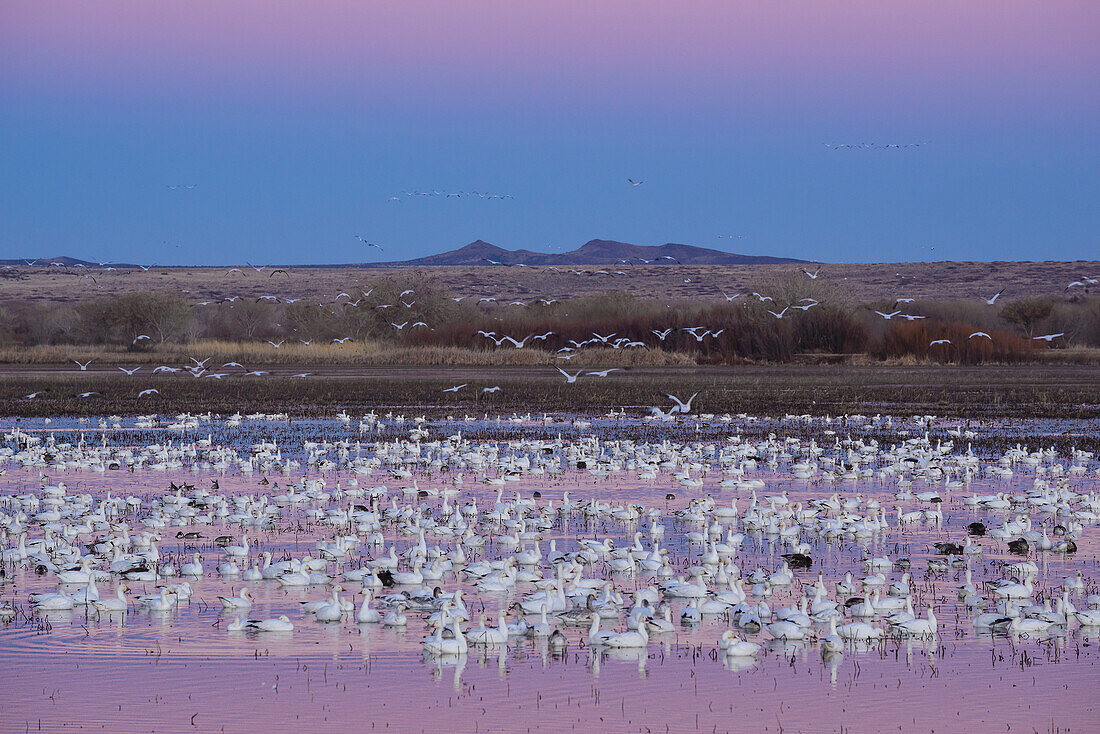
{"points": [[182, 671]]}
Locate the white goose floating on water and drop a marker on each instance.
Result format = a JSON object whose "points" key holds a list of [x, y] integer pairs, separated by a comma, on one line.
{"points": [[832, 493]]}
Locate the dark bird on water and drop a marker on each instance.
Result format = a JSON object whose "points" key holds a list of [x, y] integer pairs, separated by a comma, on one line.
{"points": [[798, 560]]}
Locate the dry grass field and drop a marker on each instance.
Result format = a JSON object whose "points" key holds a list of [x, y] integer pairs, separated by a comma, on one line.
{"points": [[862, 282]]}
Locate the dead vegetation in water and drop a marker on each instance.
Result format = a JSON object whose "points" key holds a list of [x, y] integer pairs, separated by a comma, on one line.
{"points": [[1035, 390]]}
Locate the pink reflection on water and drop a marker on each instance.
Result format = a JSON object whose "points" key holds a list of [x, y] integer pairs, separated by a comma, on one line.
{"points": [[183, 672]]}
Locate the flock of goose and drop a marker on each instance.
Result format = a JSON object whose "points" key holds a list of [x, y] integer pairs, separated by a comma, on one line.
{"points": [[629, 539]]}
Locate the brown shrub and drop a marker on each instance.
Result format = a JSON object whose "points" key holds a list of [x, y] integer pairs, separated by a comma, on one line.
{"points": [[914, 339]]}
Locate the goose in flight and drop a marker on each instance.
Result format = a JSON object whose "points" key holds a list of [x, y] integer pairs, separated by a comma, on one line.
{"points": [[150, 391], [33, 395], [341, 341], [939, 341], [456, 388], [86, 394], [255, 373], [257, 269], [694, 331], [730, 298], [980, 333], [1048, 338], [166, 368], [139, 337], [780, 314], [813, 275], [494, 388], [888, 316], [517, 344], [302, 374], [911, 317], [405, 292], [762, 298], [83, 367], [486, 299], [233, 270], [991, 301], [570, 379], [233, 364], [198, 363], [130, 372], [400, 326], [656, 413], [603, 373], [276, 345], [662, 335], [632, 182], [681, 406]]}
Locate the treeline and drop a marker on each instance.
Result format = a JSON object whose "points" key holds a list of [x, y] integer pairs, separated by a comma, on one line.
{"points": [[780, 321]]}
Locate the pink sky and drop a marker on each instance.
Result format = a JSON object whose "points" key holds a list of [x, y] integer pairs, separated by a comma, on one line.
{"points": [[302, 119], [634, 49]]}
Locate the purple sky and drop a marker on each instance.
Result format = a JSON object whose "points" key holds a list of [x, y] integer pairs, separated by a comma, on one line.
{"points": [[298, 122]]}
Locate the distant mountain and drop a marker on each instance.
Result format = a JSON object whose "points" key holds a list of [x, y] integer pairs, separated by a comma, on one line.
{"points": [[63, 260], [593, 252], [60, 261]]}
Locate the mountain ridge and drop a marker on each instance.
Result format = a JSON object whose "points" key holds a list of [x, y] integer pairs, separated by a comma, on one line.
{"points": [[593, 252], [480, 252]]}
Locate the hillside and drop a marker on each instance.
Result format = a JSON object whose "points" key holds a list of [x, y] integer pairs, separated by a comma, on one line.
{"points": [[593, 252], [481, 253]]}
